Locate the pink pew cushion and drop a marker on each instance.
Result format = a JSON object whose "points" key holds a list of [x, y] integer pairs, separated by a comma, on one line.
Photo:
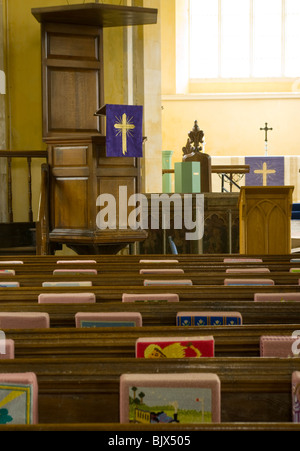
{"points": [[19, 398], [242, 260], [7, 272], [7, 348], [24, 320], [9, 284], [174, 282], [197, 393], [162, 271], [75, 262], [245, 282], [247, 270], [276, 297], [277, 346], [158, 261], [74, 271], [296, 396], [163, 297], [108, 319], [68, 284], [67, 298]]}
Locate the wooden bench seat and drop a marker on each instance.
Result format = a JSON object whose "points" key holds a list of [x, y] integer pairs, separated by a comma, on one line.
{"points": [[110, 428], [200, 279], [79, 370], [113, 293], [112, 263], [135, 263], [138, 257], [87, 390], [63, 315], [237, 341]]}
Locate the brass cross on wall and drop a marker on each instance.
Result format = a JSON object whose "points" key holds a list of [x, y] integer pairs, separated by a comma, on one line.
{"points": [[266, 129]]}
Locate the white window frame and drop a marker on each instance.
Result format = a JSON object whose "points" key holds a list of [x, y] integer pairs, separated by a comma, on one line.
{"points": [[251, 78]]}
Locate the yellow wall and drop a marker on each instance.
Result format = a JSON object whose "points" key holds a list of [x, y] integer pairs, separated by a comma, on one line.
{"points": [[232, 127], [24, 70], [230, 114], [23, 99]]}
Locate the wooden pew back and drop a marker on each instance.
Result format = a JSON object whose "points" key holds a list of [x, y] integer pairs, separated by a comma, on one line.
{"points": [[87, 390]]}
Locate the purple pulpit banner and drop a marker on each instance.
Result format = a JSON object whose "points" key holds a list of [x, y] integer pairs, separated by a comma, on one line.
{"points": [[265, 171], [124, 131]]}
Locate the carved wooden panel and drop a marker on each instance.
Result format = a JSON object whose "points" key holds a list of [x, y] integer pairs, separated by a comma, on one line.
{"points": [[119, 177], [71, 194], [70, 182], [265, 220], [80, 172], [66, 156], [221, 228], [72, 79]]}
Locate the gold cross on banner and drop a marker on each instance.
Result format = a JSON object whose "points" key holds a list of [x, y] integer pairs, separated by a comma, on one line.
{"points": [[124, 128], [265, 172]]}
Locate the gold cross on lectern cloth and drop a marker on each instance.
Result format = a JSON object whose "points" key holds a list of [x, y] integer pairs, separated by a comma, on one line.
{"points": [[265, 172], [124, 127]]}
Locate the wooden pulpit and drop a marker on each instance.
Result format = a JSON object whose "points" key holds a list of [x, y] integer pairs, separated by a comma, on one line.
{"points": [[73, 90], [265, 219]]}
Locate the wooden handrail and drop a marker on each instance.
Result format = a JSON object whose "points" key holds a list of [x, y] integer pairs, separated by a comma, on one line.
{"points": [[220, 169], [231, 169], [23, 153]]}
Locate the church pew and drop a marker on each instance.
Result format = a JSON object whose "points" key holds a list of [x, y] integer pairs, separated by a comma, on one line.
{"points": [[209, 273], [109, 428], [281, 312], [109, 263], [237, 341], [87, 390], [63, 315], [136, 257], [113, 293], [134, 278]]}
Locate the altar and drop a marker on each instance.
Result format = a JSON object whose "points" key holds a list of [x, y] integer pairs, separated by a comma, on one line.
{"points": [[221, 212]]}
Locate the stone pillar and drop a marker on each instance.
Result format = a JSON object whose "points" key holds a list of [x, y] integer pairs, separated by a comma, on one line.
{"points": [[146, 61]]}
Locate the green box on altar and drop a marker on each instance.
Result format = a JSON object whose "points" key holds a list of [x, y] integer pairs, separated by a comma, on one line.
{"points": [[187, 177]]}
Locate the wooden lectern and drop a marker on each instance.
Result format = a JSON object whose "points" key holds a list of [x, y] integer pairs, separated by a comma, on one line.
{"points": [[265, 219], [73, 90], [192, 152]]}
